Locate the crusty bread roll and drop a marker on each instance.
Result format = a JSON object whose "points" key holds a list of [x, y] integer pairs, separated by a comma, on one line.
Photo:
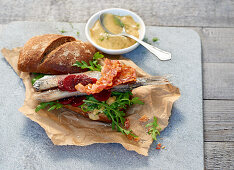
{"points": [[54, 54]]}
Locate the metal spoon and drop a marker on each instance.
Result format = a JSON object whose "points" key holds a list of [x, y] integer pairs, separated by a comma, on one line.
{"points": [[162, 55]]}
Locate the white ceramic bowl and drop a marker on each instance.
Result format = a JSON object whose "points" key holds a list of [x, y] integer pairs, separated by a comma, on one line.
{"points": [[120, 12]]}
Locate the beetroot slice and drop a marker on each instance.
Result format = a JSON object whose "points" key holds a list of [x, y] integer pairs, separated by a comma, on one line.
{"points": [[103, 95], [94, 80], [60, 85], [77, 101], [66, 101], [83, 79], [69, 84]]}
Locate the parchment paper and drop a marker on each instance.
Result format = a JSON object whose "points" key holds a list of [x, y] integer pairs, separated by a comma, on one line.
{"points": [[65, 127]]}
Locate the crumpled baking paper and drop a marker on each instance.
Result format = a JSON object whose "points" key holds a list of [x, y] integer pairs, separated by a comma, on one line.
{"points": [[65, 127]]}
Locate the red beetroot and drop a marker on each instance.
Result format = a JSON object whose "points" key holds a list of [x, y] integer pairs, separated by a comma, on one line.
{"points": [[66, 101], [103, 95], [127, 123], [83, 79], [60, 85], [69, 84], [77, 101], [94, 80]]}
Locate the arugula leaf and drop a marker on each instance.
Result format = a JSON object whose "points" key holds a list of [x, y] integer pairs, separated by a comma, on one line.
{"points": [[97, 55], [110, 112], [136, 100], [153, 131], [125, 98], [53, 105], [114, 111], [93, 65], [37, 76]]}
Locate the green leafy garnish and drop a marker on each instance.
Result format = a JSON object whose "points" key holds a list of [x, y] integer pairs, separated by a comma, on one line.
{"points": [[113, 111], [153, 131], [62, 31], [97, 55], [37, 76], [77, 33], [155, 39], [118, 21], [53, 105], [93, 65], [146, 40], [101, 39]]}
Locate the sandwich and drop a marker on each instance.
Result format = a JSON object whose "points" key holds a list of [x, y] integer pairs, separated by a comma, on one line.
{"points": [[71, 74]]}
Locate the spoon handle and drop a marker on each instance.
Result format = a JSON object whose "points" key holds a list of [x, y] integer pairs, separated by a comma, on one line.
{"points": [[162, 55]]}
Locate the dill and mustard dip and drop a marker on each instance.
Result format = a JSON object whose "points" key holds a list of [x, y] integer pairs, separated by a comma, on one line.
{"points": [[113, 24]]}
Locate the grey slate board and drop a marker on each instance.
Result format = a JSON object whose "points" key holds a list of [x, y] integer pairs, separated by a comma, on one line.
{"points": [[24, 144]]}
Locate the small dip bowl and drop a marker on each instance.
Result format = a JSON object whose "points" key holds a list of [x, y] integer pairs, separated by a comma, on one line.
{"points": [[120, 12]]}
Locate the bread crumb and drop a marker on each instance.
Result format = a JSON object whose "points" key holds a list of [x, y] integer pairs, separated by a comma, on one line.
{"points": [[88, 51], [144, 118], [65, 53], [35, 47]]}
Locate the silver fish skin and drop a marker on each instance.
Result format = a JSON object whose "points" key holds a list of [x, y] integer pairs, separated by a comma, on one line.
{"points": [[56, 94], [51, 81]]}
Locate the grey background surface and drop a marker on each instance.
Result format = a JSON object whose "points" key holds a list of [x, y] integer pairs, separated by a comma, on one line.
{"points": [[212, 19], [24, 144]]}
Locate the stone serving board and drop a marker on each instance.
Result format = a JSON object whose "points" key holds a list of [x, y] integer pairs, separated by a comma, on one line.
{"points": [[25, 145]]}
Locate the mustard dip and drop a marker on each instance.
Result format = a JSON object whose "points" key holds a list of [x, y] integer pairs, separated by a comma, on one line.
{"points": [[109, 41]]}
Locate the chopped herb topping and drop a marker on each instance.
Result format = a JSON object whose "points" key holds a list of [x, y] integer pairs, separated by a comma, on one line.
{"points": [[62, 31], [118, 21], [77, 33], [101, 39], [155, 39]]}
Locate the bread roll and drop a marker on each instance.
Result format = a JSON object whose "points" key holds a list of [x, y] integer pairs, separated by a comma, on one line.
{"points": [[54, 54]]}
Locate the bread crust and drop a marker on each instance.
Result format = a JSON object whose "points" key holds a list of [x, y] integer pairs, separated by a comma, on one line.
{"points": [[53, 54], [60, 60]]}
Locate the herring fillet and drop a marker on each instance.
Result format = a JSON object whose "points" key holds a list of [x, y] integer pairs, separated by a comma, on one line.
{"points": [[56, 94], [51, 81]]}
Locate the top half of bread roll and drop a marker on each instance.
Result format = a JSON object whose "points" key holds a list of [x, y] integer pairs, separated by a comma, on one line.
{"points": [[54, 54]]}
